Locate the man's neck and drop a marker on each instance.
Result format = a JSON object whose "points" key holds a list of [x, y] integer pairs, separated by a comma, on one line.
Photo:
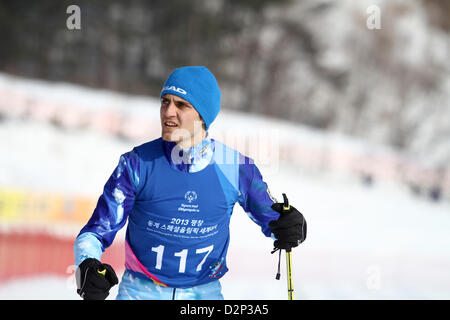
{"points": [[189, 143], [192, 159]]}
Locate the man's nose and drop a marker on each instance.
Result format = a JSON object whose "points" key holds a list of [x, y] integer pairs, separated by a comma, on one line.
{"points": [[170, 110]]}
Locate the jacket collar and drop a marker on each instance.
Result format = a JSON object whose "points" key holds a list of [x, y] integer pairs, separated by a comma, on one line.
{"points": [[192, 159]]}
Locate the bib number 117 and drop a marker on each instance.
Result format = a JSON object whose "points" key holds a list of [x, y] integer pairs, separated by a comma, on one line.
{"points": [[183, 254]]}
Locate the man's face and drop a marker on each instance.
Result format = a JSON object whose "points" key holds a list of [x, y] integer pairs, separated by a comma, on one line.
{"points": [[180, 122]]}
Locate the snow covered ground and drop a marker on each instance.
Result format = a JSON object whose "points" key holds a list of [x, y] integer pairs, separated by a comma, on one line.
{"points": [[364, 242]]}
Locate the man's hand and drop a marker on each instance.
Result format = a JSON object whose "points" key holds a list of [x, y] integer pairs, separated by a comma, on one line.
{"points": [[290, 228], [94, 279]]}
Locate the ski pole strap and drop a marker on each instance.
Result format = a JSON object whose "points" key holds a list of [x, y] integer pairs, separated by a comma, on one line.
{"points": [[278, 271], [277, 276]]}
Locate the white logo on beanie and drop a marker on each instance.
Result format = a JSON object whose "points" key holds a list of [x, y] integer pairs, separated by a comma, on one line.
{"points": [[173, 88]]}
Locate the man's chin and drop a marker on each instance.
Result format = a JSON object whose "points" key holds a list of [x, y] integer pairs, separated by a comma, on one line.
{"points": [[168, 136]]}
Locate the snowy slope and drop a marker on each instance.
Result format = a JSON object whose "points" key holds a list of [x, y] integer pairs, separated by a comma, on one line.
{"points": [[136, 119]]}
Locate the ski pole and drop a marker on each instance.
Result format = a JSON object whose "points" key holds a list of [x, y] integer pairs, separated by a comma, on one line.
{"points": [[290, 285], [289, 275]]}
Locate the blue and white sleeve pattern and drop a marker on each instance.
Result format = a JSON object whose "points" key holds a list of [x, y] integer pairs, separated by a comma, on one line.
{"points": [[112, 210], [255, 198]]}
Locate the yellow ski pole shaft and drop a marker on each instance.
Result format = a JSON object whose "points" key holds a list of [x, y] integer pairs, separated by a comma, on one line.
{"points": [[289, 275], [290, 285]]}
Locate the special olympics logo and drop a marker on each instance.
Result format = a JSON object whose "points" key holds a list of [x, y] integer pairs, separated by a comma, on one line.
{"points": [[190, 196]]}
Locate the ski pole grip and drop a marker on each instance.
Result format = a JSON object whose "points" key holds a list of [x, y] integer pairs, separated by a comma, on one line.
{"points": [[102, 271], [286, 205]]}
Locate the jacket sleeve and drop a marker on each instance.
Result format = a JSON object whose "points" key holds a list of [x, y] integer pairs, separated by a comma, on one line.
{"points": [[255, 198], [112, 210]]}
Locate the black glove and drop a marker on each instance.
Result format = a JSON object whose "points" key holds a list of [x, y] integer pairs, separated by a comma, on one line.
{"points": [[94, 279], [290, 228]]}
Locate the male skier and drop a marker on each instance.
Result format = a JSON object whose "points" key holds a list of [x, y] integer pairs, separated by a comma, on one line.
{"points": [[177, 194]]}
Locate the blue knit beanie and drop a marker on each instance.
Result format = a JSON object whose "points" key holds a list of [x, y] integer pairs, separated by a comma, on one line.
{"points": [[198, 86]]}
